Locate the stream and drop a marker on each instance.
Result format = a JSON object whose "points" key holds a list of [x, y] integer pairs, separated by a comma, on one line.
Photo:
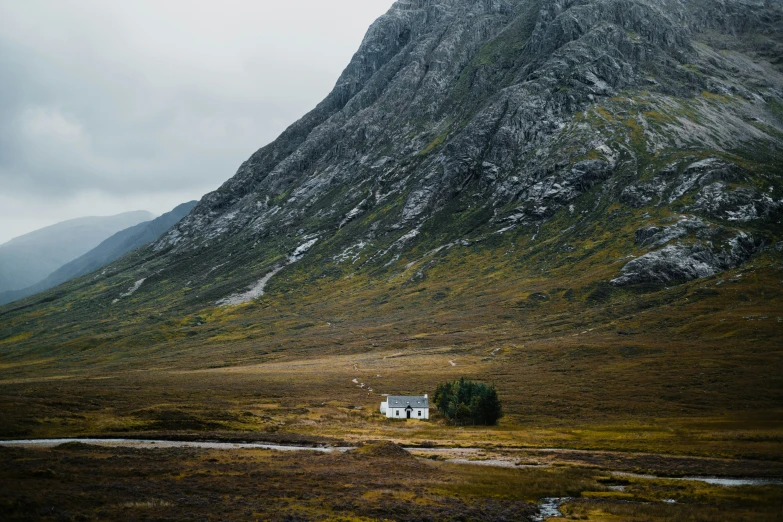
{"points": [[717, 481], [498, 463], [550, 508], [163, 444]]}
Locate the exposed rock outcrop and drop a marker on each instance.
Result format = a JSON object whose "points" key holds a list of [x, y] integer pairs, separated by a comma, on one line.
{"points": [[659, 236], [741, 205], [678, 263]]}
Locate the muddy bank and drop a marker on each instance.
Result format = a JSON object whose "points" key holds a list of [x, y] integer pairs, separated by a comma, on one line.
{"points": [[715, 481], [165, 444], [727, 472], [655, 464]]}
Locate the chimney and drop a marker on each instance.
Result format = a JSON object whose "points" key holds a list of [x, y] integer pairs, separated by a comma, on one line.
{"points": [[425, 395]]}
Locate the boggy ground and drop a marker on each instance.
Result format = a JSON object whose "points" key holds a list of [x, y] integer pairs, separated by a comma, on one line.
{"points": [[82, 482], [79, 482], [611, 461]]}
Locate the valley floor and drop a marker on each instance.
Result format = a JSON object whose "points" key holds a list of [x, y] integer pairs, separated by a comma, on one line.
{"points": [[551, 401], [315, 400], [671, 382]]}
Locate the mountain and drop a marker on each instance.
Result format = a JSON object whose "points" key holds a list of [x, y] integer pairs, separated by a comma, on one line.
{"points": [[460, 119], [27, 259], [112, 248], [485, 173]]}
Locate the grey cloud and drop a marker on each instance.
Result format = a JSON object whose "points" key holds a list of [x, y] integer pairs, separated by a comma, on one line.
{"points": [[127, 99]]}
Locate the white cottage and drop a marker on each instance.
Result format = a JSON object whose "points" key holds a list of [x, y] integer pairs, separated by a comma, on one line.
{"points": [[405, 407]]}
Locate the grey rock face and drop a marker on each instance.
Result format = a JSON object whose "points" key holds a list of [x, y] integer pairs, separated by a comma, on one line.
{"points": [[742, 204], [677, 263], [673, 263], [641, 194], [699, 174], [677, 180], [656, 237], [703, 257], [545, 197]]}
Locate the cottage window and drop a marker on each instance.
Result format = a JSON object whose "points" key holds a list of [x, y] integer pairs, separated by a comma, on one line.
{"points": [[419, 413]]}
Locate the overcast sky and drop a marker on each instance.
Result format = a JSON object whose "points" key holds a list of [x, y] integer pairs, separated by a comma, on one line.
{"points": [[108, 106]]}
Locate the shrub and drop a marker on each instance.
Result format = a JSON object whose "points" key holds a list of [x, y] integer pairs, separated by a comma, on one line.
{"points": [[467, 402]]}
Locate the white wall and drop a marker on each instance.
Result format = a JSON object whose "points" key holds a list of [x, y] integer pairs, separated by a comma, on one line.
{"points": [[399, 413]]}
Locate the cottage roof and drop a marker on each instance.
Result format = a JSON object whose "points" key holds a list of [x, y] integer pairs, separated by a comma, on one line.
{"points": [[403, 401]]}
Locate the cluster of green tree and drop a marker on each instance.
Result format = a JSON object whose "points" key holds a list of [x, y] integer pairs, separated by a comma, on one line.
{"points": [[467, 402]]}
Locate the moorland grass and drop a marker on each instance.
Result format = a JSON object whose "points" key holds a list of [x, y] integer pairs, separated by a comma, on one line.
{"points": [[81, 482]]}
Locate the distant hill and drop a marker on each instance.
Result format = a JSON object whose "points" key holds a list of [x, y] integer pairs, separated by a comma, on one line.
{"points": [[112, 248], [27, 259]]}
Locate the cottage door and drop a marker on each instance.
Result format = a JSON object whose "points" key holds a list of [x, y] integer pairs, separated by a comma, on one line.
{"points": [[408, 410]]}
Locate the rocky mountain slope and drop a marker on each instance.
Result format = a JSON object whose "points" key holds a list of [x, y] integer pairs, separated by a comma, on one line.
{"points": [[519, 112], [578, 151], [27, 259], [109, 250]]}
